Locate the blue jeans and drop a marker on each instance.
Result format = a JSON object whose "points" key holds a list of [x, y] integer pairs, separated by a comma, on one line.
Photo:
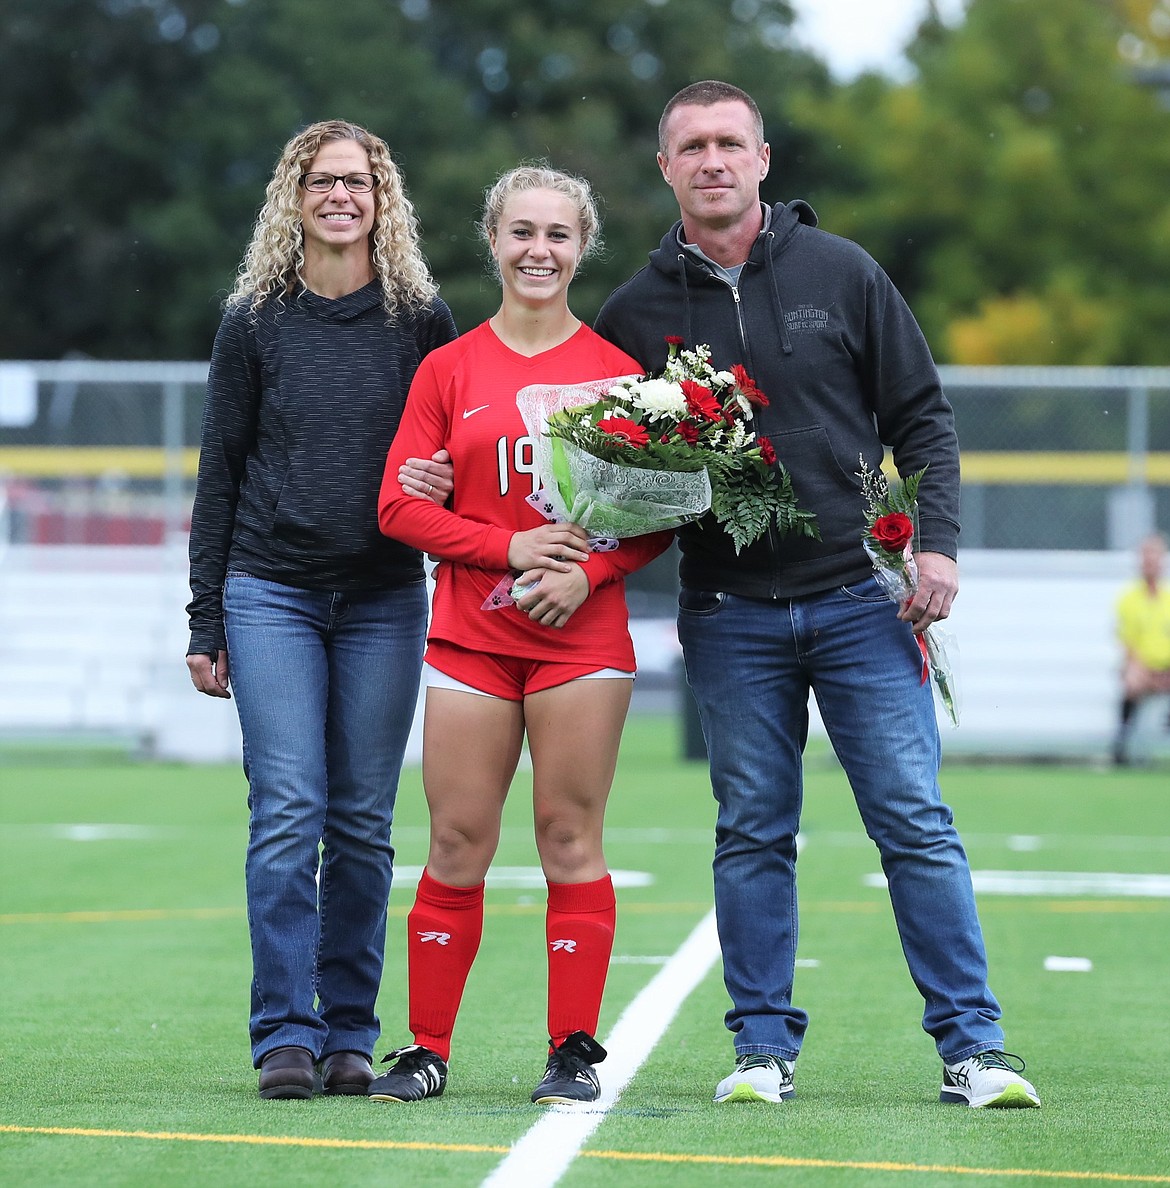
{"points": [[325, 685], [751, 665]]}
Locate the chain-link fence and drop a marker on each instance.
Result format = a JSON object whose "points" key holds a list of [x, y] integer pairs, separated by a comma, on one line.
{"points": [[98, 453], [1053, 458], [1062, 457]]}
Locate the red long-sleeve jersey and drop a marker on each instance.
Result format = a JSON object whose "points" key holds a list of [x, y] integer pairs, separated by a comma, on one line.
{"points": [[463, 399]]}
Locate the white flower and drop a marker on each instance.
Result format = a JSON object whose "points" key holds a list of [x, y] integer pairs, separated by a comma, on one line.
{"points": [[725, 378], [659, 398], [744, 405]]}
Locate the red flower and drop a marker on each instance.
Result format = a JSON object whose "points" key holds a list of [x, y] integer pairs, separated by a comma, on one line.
{"points": [[626, 431], [893, 532], [674, 340], [688, 432], [701, 401], [767, 450], [747, 385]]}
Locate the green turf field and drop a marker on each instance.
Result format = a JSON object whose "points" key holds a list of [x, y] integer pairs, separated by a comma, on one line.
{"points": [[124, 966]]}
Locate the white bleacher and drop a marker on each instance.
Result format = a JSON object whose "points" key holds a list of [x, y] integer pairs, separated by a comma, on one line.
{"points": [[1038, 660], [92, 642]]}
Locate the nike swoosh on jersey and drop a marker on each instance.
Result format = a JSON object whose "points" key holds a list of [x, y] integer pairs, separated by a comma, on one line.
{"points": [[468, 412]]}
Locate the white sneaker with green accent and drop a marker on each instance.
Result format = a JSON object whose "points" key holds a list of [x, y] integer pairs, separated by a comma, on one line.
{"points": [[988, 1081], [758, 1076]]}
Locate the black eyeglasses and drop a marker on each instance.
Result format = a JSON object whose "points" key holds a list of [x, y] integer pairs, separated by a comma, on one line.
{"points": [[322, 183]]}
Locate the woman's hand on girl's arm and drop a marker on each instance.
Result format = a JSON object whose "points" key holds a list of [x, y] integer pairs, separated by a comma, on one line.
{"points": [[428, 478]]}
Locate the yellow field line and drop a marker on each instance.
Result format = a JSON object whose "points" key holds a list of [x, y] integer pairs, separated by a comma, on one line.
{"points": [[662, 1157], [1044, 467], [256, 1140], [867, 1165], [1107, 905], [131, 915]]}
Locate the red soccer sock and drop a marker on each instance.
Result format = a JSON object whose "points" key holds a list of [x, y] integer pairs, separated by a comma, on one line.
{"points": [[443, 933], [579, 927]]}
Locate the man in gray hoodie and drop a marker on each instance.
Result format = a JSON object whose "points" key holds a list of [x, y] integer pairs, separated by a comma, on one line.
{"points": [[822, 331]]}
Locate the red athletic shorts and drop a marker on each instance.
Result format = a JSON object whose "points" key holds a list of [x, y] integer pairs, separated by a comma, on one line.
{"points": [[509, 677]]}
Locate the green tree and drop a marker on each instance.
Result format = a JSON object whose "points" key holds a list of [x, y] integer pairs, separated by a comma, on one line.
{"points": [[1146, 40], [1015, 188], [141, 134], [583, 86], [84, 133]]}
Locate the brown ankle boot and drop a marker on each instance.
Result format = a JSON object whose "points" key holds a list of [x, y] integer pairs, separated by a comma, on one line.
{"points": [[287, 1073]]}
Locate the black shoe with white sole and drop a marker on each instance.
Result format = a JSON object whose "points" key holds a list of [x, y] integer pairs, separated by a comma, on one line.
{"points": [[418, 1073], [570, 1076]]}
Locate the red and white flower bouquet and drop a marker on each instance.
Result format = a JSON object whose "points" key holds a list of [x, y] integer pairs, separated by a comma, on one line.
{"points": [[637, 454]]}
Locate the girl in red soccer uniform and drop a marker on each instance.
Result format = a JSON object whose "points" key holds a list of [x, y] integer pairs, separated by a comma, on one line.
{"points": [[557, 666]]}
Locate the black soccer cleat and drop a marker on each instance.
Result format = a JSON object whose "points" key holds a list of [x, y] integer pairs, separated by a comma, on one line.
{"points": [[569, 1075], [419, 1073]]}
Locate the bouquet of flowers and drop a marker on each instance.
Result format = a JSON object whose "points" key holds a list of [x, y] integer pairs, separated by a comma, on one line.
{"points": [[890, 526], [645, 453]]}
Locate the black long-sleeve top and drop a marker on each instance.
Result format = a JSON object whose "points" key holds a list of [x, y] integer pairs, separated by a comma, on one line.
{"points": [[303, 399]]}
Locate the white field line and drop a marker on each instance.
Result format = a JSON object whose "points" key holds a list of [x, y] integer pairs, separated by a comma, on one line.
{"points": [[544, 1154], [1054, 883]]}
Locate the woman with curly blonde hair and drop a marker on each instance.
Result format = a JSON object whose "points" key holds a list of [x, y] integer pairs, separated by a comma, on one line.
{"points": [[321, 615], [275, 258]]}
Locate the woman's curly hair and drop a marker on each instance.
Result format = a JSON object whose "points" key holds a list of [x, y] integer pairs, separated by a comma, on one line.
{"points": [[275, 257]]}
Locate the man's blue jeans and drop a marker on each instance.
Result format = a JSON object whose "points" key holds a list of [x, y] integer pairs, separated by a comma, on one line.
{"points": [[751, 664], [325, 685]]}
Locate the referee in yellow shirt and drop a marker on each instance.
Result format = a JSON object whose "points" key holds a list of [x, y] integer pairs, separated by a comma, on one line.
{"points": [[1143, 626]]}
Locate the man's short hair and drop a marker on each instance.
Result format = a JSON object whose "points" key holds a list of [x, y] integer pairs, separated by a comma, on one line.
{"points": [[705, 94]]}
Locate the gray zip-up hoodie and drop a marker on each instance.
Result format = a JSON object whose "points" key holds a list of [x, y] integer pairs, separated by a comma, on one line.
{"points": [[835, 349]]}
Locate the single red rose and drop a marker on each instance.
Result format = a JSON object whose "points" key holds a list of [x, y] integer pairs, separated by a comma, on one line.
{"points": [[701, 401], [747, 385], [893, 532], [674, 340], [688, 432], [626, 431], [767, 450]]}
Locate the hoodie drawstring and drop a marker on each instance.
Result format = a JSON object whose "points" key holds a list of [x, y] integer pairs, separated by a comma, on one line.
{"points": [[781, 321], [682, 272]]}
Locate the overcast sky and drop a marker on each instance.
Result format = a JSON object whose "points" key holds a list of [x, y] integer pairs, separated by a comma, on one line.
{"points": [[857, 35]]}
